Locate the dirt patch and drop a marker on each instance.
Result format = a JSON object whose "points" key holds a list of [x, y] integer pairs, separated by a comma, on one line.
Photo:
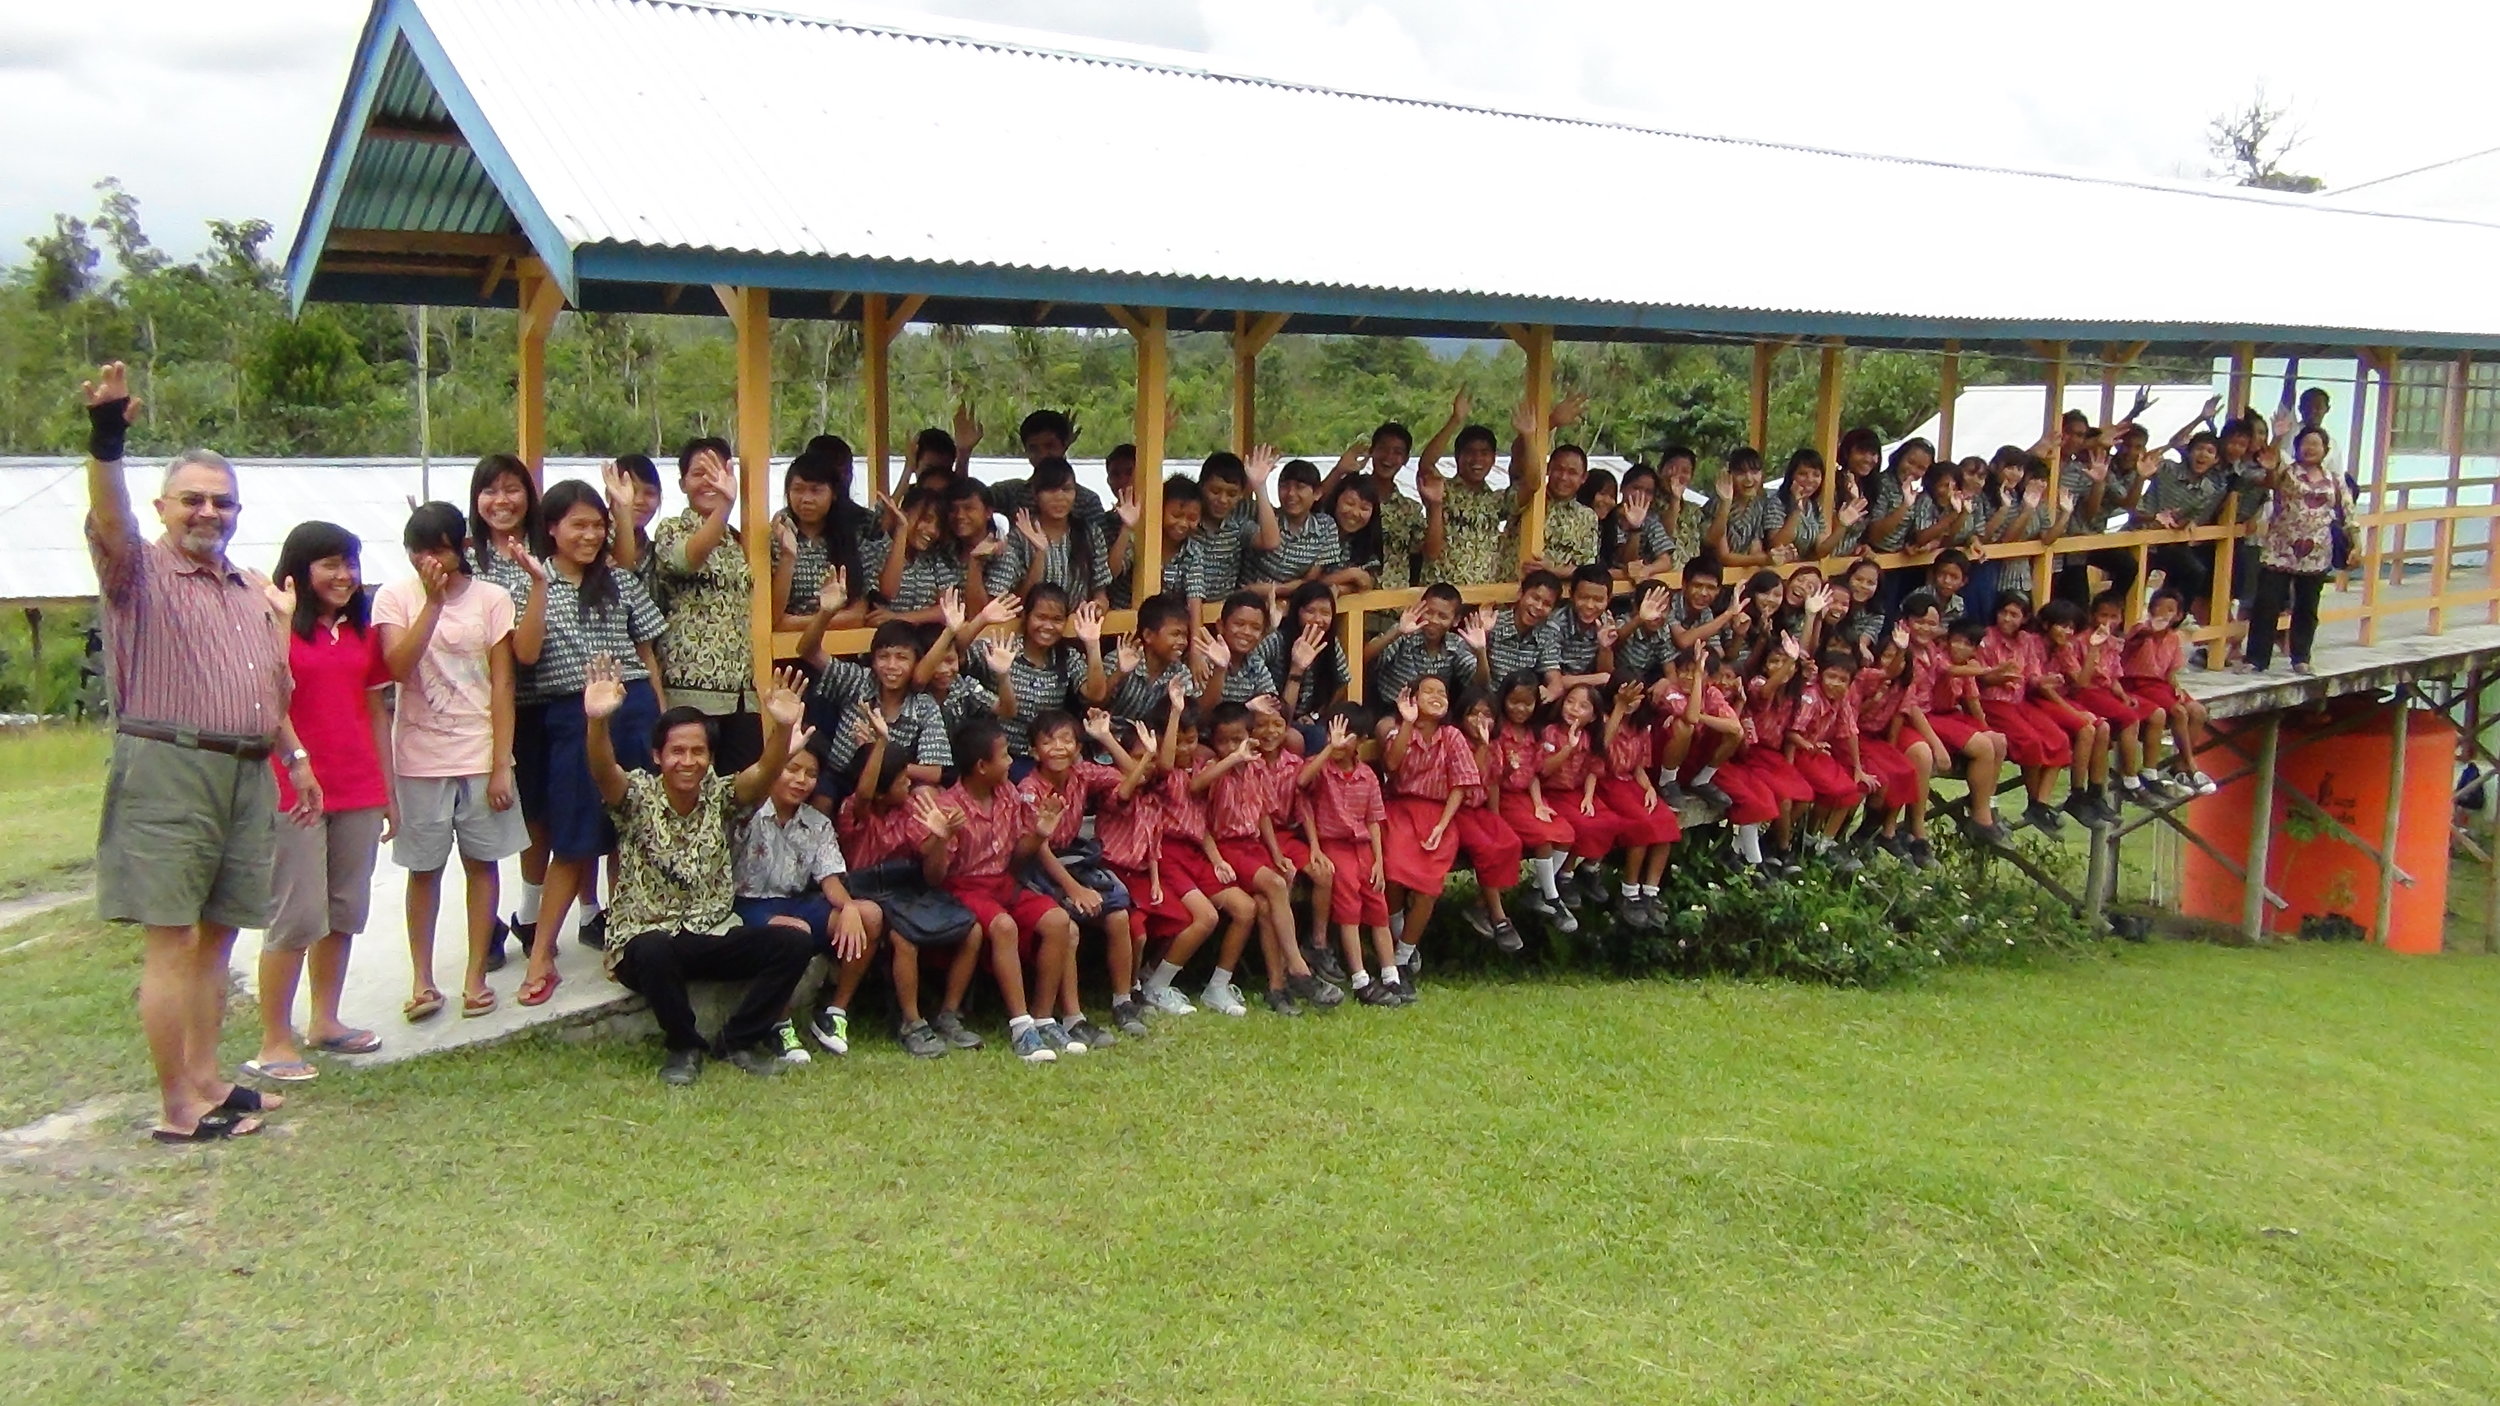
{"points": [[86, 1138]]}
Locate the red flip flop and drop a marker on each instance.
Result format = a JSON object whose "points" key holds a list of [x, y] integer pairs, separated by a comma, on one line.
{"points": [[538, 993]]}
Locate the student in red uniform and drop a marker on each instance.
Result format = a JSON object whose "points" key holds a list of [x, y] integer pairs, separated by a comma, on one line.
{"points": [[2053, 657], [2151, 661], [1518, 777], [1770, 705], [1176, 911], [1629, 749], [987, 833], [2098, 684], [1069, 868], [1823, 746], [1429, 766], [1701, 687], [1570, 772], [2036, 743], [1942, 709], [1486, 843], [1890, 749], [1344, 813], [1235, 788], [884, 846], [1291, 983], [1190, 856]]}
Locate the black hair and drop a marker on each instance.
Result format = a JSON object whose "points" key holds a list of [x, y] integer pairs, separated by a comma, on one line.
{"points": [[1940, 474], [1972, 630], [2116, 598], [2006, 598], [1364, 544], [481, 537], [2073, 417], [957, 490], [2060, 612], [1763, 581], [1047, 593], [1855, 440], [1919, 602], [1672, 453], [1299, 471], [1051, 474], [641, 467], [1951, 556], [1157, 611], [696, 445], [1119, 452], [2171, 594], [1223, 714], [1047, 422], [1469, 697], [683, 715], [1593, 575], [1473, 435], [1238, 600], [438, 527], [1560, 450], [1705, 565], [1802, 459], [896, 634], [2205, 437], [1838, 656], [598, 589], [1181, 488], [309, 542], [892, 762], [933, 443], [1744, 459], [1358, 719], [1226, 465], [1444, 591], [975, 741], [1544, 578], [1391, 429], [1050, 720]]}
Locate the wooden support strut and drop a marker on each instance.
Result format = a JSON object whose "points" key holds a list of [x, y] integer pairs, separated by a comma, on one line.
{"points": [[1250, 337], [541, 299], [1149, 328], [2260, 830], [749, 318], [880, 319], [2390, 828], [1948, 392], [2373, 535], [1758, 398], [2444, 531], [1827, 391], [1538, 343]]}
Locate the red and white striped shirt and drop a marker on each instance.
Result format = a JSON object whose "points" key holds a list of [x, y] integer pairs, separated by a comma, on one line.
{"points": [[1629, 751], [1577, 758], [2154, 654], [1130, 831], [1824, 720], [1768, 713], [1516, 756], [1085, 783], [1184, 815], [1346, 803], [187, 645], [1996, 649], [1237, 800], [990, 832], [870, 836], [2108, 660], [1283, 773], [1879, 700], [1436, 763]]}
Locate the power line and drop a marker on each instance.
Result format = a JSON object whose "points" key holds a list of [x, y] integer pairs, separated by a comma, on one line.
{"points": [[2400, 175]]}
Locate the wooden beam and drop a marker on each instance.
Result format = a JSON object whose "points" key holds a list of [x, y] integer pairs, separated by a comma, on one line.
{"points": [[1129, 321], [1538, 343], [903, 313], [496, 268], [1148, 326], [876, 343], [1042, 310], [540, 300], [2373, 539], [2243, 377], [2444, 535], [2390, 827], [2261, 830], [1827, 391], [1758, 402], [1250, 336], [835, 304], [1948, 393], [751, 317], [425, 134], [2053, 407], [418, 241]]}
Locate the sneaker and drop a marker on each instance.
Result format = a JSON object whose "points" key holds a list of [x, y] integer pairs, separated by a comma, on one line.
{"points": [[832, 1030], [1281, 1001], [2085, 808], [950, 1028], [1316, 990], [1506, 937], [494, 942], [763, 1064], [1027, 1045], [1671, 793], [1477, 920], [921, 1042], [1058, 1039], [594, 931], [2041, 816], [2107, 799], [787, 1046], [1409, 974], [1895, 844], [1563, 920], [1921, 854], [1168, 1001], [1844, 863], [1531, 902], [1222, 1000], [1324, 964], [1377, 993], [1593, 884], [2203, 785], [2131, 790], [682, 1067], [1626, 908], [1994, 834], [1129, 1018], [1709, 794], [1090, 1035]]}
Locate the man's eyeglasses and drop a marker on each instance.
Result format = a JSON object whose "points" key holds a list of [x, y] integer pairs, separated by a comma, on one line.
{"points": [[224, 503]]}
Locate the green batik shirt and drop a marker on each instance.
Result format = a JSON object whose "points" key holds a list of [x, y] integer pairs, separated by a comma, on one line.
{"points": [[1401, 537], [1472, 546], [1570, 535], [674, 873], [705, 655]]}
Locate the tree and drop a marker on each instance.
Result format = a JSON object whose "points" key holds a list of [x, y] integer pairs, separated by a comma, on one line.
{"points": [[64, 264], [2252, 143], [118, 219]]}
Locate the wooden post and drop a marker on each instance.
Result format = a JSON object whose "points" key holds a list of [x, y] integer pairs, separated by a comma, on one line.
{"points": [[1827, 389], [2218, 594], [749, 318], [2261, 831], [2396, 730], [2373, 539], [1250, 337], [2243, 377], [880, 321], [1758, 403], [2053, 409], [1148, 327], [2110, 367], [2444, 536], [1948, 392], [541, 299], [1538, 343]]}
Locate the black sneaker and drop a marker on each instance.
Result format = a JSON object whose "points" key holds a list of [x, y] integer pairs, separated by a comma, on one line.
{"points": [[1593, 885], [1313, 990], [1710, 794], [682, 1067], [1376, 993], [494, 941], [1282, 1002], [1995, 834], [1477, 920], [2041, 816], [950, 1027], [2084, 808], [1091, 1036], [1626, 908], [1895, 844], [1126, 1015], [1324, 964], [1671, 793], [1056, 1039], [1409, 971], [921, 1042], [1506, 937], [760, 1063], [594, 932], [1531, 902], [1920, 853]]}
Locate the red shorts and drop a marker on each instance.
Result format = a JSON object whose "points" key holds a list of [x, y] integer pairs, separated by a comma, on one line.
{"points": [[1642, 824], [1891, 766], [1185, 868], [1519, 813], [1248, 855], [996, 896], [1955, 730], [2032, 738], [1491, 847], [1351, 897], [1829, 777], [2105, 703], [1164, 919], [1411, 819], [2155, 693]]}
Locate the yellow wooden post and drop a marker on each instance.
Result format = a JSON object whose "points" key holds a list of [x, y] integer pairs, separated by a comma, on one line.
{"points": [[1538, 343], [1250, 336], [2053, 404], [1758, 405], [2444, 537], [750, 319], [1827, 389], [1948, 392], [2110, 367], [2382, 436], [541, 299], [2243, 378], [2218, 597], [876, 391], [1149, 328]]}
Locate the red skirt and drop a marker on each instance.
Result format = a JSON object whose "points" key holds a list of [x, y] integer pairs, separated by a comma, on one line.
{"points": [[1955, 730], [1652, 825], [2032, 738], [1164, 919], [1352, 897], [1891, 766], [1776, 771], [2105, 703], [2154, 693], [1829, 776], [1519, 813], [1412, 866], [1749, 797], [1491, 847]]}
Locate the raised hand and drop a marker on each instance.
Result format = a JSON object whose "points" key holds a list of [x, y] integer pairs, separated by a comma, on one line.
{"points": [[1126, 658], [950, 604], [940, 822], [785, 538], [1568, 410], [1818, 600], [998, 654], [2096, 464], [1087, 622], [1261, 466], [2153, 580], [1652, 611], [1632, 509], [1340, 737], [1098, 726], [1047, 813], [1176, 691], [967, 428], [1852, 512], [281, 598], [1525, 420], [434, 577], [1128, 507], [1306, 647], [783, 702], [603, 689], [1431, 487], [1627, 698], [623, 489], [111, 383], [1411, 619], [988, 547], [1408, 709], [1210, 647], [2213, 407], [1609, 630], [1477, 631], [1901, 637], [519, 554], [1265, 705], [834, 593], [2034, 491], [2100, 636], [1460, 405], [1029, 528], [800, 736], [998, 610]]}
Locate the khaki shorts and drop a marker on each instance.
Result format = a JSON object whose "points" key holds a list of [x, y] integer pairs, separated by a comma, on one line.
{"points": [[188, 837], [435, 810], [324, 881]]}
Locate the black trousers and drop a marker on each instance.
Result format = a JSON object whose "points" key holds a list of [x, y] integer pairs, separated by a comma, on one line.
{"points": [[658, 964], [739, 743], [2188, 568], [2074, 580], [2275, 589]]}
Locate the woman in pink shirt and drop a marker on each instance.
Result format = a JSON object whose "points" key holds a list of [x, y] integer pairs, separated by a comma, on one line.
{"points": [[323, 876]]}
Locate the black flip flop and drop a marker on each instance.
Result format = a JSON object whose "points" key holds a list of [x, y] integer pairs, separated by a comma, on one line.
{"points": [[241, 1099], [214, 1126]]}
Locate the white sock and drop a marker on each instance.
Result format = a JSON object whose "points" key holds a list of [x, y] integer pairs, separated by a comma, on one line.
{"points": [[1360, 979], [1405, 952], [1388, 976], [1649, 890], [1631, 890], [1161, 976], [1702, 777], [1749, 843], [1017, 1025], [1544, 868], [1397, 923], [1069, 1021], [530, 893], [1220, 980], [589, 904]]}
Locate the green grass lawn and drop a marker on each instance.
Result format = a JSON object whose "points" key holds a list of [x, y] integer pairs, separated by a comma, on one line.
{"points": [[51, 788], [2158, 1173]]}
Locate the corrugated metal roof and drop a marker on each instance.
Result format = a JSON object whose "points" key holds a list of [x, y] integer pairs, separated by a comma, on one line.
{"points": [[670, 130]]}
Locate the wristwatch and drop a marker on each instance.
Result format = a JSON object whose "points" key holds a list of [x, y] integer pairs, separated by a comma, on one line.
{"points": [[298, 755]]}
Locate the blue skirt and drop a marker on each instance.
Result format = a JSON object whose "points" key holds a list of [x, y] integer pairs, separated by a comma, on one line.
{"points": [[576, 818]]}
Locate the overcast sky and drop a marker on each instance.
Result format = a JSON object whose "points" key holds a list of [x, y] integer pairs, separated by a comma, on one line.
{"points": [[218, 108]]}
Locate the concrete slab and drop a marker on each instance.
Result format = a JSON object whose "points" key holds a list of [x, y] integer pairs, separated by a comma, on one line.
{"points": [[2403, 652]]}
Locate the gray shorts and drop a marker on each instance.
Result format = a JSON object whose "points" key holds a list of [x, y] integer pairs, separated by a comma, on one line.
{"points": [[435, 810], [324, 878], [188, 837]]}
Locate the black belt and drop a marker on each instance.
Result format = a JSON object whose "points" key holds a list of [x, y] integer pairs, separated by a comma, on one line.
{"points": [[250, 749]]}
